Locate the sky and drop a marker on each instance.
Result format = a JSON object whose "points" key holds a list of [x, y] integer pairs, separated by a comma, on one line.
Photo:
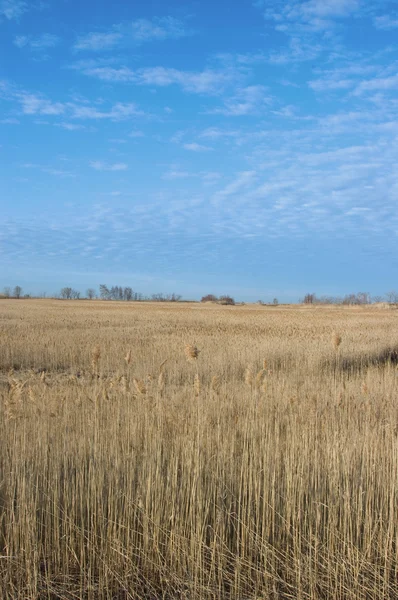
{"points": [[248, 148]]}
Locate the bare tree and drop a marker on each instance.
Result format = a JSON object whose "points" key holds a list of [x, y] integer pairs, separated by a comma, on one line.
{"points": [[127, 294], [17, 291], [91, 294], [392, 297], [104, 292], [66, 293], [174, 297], [363, 298], [7, 292], [309, 299]]}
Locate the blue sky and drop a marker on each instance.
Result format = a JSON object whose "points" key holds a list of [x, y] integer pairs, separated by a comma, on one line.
{"points": [[193, 148]]}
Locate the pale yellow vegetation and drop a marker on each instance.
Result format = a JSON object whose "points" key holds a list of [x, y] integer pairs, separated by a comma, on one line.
{"points": [[263, 467]]}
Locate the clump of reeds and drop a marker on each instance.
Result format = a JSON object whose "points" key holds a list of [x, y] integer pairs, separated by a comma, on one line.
{"points": [[191, 352]]}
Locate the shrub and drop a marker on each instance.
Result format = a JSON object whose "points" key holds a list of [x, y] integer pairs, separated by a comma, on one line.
{"points": [[226, 300], [209, 298]]}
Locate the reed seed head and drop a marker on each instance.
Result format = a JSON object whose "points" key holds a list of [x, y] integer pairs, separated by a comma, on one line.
{"points": [[260, 378], [336, 340], [216, 384], [191, 352], [139, 386], [127, 358]]}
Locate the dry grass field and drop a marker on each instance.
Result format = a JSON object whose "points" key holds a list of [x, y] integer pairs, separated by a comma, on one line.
{"points": [[133, 467]]}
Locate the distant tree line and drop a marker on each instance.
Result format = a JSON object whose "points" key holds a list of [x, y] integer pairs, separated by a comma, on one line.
{"points": [[16, 292], [116, 292], [360, 298], [126, 293]]}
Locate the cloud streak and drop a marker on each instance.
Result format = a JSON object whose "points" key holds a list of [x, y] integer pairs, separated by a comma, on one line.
{"points": [[44, 41], [135, 33], [208, 81], [99, 165], [38, 104], [13, 9]]}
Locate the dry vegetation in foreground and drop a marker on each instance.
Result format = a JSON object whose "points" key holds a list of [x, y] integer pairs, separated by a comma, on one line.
{"points": [[134, 466]]}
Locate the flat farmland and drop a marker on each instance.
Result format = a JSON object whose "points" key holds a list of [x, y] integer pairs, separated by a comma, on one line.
{"points": [[197, 451]]}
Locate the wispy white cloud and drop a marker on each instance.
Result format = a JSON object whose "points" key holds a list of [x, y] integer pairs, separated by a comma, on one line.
{"points": [[248, 100], [70, 126], [313, 15], [195, 147], [137, 32], [210, 177], [13, 9], [161, 28], [215, 133], [298, 51], [176, 173], [98, 41], [99, 165], [244, 180], [354, 75], [108, 73], [44, 41], [10, 121], [386, 22], [38, 104], [35, 104], [136, 134], [319, 9], [49, 170], [208, 81], [119, 112], [377, 84]]}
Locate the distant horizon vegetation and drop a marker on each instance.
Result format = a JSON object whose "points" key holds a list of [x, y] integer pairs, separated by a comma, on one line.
{"points": [[127, 294]]}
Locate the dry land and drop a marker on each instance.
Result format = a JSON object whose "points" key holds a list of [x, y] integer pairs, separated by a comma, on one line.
{"points": [[133, 467]]}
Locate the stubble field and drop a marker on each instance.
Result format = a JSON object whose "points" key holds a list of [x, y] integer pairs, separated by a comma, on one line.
{"points": [[133, 467]]}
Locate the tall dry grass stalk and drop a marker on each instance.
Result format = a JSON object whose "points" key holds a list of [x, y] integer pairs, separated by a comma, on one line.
{"points": [[171, 482], [249, 376], [95, 358], [196, 384]]}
